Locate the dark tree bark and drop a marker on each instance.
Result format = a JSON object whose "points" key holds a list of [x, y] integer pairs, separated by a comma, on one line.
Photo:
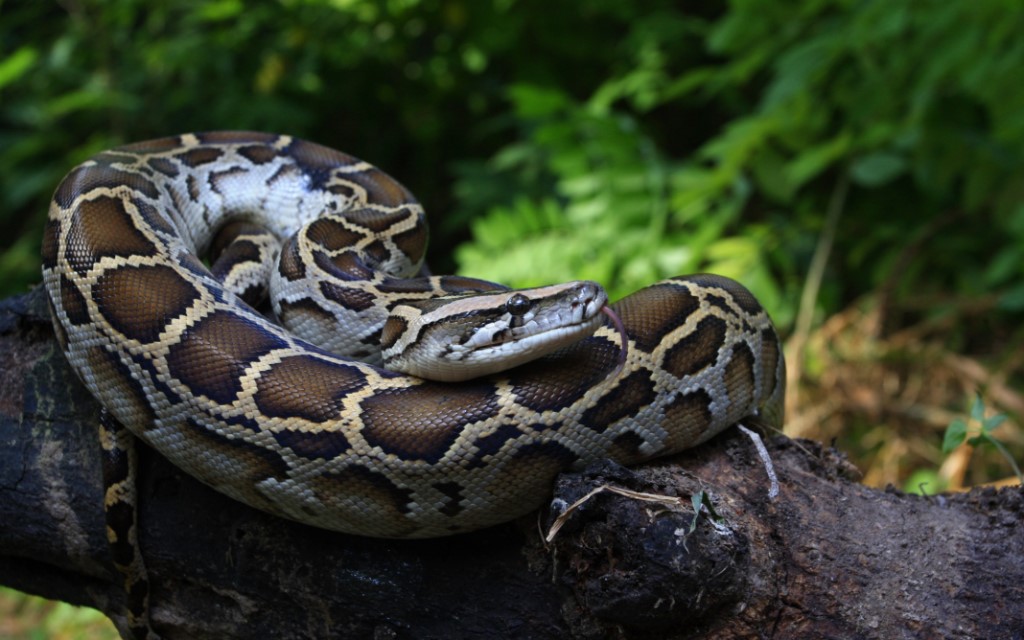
{"points": [[829, 558]]}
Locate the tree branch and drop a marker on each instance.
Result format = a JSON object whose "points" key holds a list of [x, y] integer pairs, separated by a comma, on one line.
{"points": [[828, 558]]}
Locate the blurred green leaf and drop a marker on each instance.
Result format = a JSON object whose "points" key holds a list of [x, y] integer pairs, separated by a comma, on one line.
{"points": [[877, 169], [990, 424], [956, 433], [220, 10], [15, 65], [977, 409]]}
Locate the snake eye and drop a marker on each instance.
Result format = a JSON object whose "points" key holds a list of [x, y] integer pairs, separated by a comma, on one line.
{"points": [[518, 304]]}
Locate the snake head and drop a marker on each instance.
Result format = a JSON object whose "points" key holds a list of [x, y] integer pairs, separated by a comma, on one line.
{"points": [[455, 338]]}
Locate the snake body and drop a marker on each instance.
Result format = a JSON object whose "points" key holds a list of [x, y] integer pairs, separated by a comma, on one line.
{"points": [[242, 404]]}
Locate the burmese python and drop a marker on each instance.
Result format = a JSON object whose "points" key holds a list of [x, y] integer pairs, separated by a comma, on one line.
{"points": [[169, 348]]}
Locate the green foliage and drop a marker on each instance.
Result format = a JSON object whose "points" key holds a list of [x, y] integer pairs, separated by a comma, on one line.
{"points": [[614, 141], [920, 105], [977, 431], [409, 85]]}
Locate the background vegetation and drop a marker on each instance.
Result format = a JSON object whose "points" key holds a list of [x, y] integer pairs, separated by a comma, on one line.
{"points": [[858, 164]]}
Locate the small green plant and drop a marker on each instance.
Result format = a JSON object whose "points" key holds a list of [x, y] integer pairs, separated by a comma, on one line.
{"points": [[701, 502], [976, 431]]}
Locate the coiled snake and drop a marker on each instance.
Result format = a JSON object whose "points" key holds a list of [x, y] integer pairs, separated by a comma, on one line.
{"points": [[173, 353]]}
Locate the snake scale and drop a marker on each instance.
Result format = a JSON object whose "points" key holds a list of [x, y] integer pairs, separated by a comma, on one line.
{"points": [[170, 347]]}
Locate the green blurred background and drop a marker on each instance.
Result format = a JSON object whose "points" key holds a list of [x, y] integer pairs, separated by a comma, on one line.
{"points": [[859, 164]]}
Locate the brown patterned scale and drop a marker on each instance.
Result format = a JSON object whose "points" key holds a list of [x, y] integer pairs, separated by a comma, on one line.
{"points": [[260, 414]]}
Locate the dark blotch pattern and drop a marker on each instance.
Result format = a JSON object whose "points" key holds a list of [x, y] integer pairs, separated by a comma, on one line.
{"points": [[373, 340], [120, 518], [770, 355], [236, 137], [213, 354], [692, 353], [381, 189], [192, 263], [422, 422], [321, 445], [453, 492], [73, 302], [158, 294], [192, 186], [351, 298], [231, 232], [262, 462], [408, 285], [164, 166], [376, 220], [461, 284], [103, 228], [241, 420], [413, 242], [117, 380], [58, 327], [302, 307], [152, 216], [631, 394], [652, 312], [719, 302], [217, 179], [199, 156], [290, 265], [258, 153], [555, 382], [317, 161], [154, 378], [393, 329], [235, 254], [331, 234], [152, 146], [740, 295], [377, 252], [347, 190], [490, 445], [360, 481], [84, 179], [739, 379], [626, 448], [306, 387], [687, 417], [344, 266], [546, 455], [51, 243], [283, 172]]}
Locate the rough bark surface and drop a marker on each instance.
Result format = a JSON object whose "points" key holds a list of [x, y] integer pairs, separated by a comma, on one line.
{"points": [[829, 558]]}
